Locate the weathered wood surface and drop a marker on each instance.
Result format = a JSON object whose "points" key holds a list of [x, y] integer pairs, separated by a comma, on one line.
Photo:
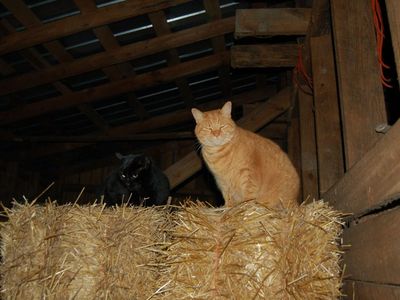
{"points": [[155, 123], [360, 90], [271, 21], [375, 247], [393, 12], [264, 56], [309, 164], [373, 181], [118, 55], [77, 23], [256, 119], [359, 290], [115, 88], [327, 114]]}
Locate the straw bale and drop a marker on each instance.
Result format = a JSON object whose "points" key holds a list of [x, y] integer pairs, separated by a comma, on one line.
{"points": [[75, 252], [252, 252]]}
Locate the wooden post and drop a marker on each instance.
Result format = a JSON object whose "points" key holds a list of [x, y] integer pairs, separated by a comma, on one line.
{"points": [[327, 116], [360, 90], [393, 12], [309, 164]]}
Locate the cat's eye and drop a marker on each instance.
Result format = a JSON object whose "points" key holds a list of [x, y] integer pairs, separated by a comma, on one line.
{"points": [[123, 176]]}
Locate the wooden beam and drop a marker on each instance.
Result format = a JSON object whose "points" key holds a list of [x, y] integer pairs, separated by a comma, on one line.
{"points": [[373, 181], [77, 23], [155, 123], [100, 138], [393, 13], [360, 89], [263, 22], [213, 11], [115, 88], [110, 43], [256, 119], [309, 163], [161, 27], [264, 56], [29, 19], [375, 247], [327, 115], [359, 290], [119, 55]]}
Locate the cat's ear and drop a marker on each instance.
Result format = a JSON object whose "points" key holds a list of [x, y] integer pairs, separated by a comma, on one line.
{"points": [[197, 115], [227, 109], [119, 155]]}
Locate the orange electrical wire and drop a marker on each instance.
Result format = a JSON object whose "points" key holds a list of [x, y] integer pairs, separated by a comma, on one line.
{"points": [[380, 36], [300, 69]]}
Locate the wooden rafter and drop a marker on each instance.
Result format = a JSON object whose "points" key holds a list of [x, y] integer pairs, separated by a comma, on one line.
{"points": [[117, 87], [119, 55], [159, 122], [28, 19], [110, 43], [74, 24], [218, 43], [161, 27]]}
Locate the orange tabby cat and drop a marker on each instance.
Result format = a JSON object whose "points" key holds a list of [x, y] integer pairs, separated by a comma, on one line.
{"points": [[245, 165]]}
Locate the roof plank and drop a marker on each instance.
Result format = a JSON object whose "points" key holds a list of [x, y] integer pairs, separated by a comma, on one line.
{"points": [[118, 55], [117, 87], [263, 56], [271, 21], [77, 23]]}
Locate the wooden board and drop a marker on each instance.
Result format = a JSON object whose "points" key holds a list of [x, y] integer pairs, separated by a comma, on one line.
{"points": [[360, 90], [373, 181], [393, 13], [271, 21], [375, 248], [309, 164], [77, 23], [118, 87], [359, 290], [327, 115], [266, 112], [264, 56], [118, 55]]}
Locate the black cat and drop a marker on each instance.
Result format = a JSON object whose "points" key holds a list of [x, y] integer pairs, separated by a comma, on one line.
{"points": [[138, 179]]}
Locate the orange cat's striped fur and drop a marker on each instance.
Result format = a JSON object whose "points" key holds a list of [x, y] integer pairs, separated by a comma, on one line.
{"points": [[245, 165]]}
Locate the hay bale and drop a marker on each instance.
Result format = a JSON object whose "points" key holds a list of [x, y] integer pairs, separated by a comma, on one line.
{"points": [[252, 252], [91, 252]]}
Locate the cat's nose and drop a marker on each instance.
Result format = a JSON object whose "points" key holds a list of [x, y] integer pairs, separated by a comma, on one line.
{"points": [[216, 132]]}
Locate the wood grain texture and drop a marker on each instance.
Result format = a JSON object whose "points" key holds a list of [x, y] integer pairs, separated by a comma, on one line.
{"points": [[393, 12], [264, 56], [360, 90], [115, 88], [327, 115], [77, 23], [256, 119], [359, 290], [309, 163], [118, 55], [271, 21], [375, 247], [373, 181]]}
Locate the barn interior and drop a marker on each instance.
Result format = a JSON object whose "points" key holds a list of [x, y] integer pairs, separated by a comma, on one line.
{"points": [[83, 79]]}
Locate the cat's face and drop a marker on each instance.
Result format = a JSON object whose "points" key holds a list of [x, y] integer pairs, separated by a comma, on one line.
{"points": [[132, 168], [215, 127]]}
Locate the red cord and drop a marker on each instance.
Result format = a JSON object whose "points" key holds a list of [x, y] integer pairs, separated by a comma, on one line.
{"points": [[300, 69], [380, 36]]}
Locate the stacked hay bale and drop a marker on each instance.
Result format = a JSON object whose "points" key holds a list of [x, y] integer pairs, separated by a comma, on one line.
{"points": [[252, 252], [74, 252], [244, 252]]}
